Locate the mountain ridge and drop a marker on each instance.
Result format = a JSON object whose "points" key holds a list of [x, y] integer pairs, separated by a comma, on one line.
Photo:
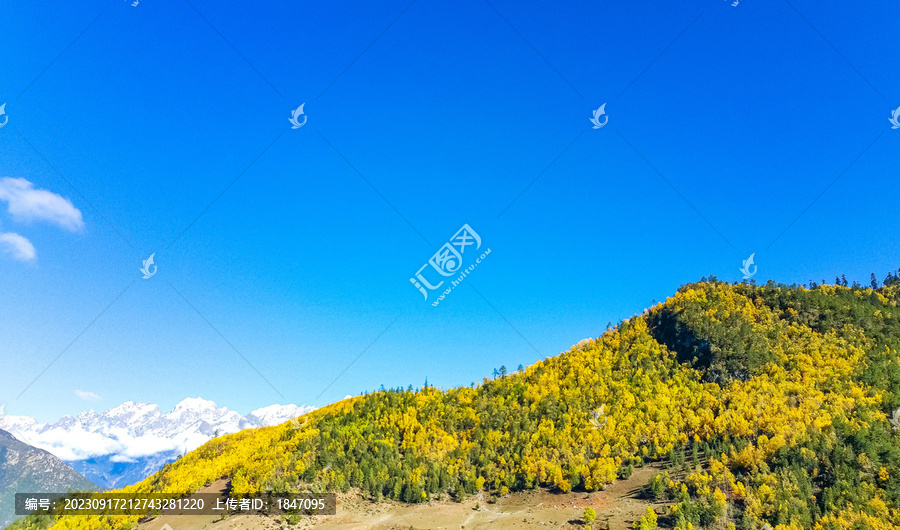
{"points": [[28, 469]]}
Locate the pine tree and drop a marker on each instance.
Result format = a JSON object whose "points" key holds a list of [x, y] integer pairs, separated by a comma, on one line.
{"points": [[503, 371], [874, 281], [843, 280]]}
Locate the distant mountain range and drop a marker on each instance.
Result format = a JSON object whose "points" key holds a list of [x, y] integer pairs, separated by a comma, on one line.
{"points": [[27, 469], [127, 443]]}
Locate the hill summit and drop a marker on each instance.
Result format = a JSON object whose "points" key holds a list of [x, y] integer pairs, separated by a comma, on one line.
{"points": [[769, 404]]}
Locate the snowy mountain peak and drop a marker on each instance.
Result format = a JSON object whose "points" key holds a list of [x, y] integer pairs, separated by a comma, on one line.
{"points": [[134, 440], [130, 409], [276, 414], [134, 430], [197, 404]]}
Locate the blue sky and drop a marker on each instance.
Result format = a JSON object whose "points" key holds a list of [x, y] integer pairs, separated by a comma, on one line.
{"points": [[756, 128]]}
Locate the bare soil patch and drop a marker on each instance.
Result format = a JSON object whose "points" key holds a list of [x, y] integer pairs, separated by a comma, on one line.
{"points": [[619, 505]]}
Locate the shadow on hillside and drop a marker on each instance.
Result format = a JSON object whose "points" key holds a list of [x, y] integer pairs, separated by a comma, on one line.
{"points": [[667, 328], [725, 348]]}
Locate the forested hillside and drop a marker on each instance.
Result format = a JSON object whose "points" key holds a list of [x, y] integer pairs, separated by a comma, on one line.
{"points": [[774, 403]]}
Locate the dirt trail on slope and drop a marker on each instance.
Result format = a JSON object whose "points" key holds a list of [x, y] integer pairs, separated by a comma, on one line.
{"points": [[619, 505]]}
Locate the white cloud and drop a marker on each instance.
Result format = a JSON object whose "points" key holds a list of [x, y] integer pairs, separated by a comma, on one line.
{"points": [[29, 204], [136, 447], [76, 444], [87, 396], [135, 430], [17, 246]]}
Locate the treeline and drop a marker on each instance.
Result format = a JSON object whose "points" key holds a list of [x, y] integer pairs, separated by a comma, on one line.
{"points": [[892, 278]]}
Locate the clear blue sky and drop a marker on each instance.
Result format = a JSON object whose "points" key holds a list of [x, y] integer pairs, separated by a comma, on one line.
{"points": [[727, 125]]}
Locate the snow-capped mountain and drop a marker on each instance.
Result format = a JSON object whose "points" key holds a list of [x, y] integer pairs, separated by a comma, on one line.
{"points": [[129, 442]]}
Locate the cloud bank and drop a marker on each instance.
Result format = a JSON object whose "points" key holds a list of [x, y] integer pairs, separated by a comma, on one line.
{"points": [[25, 203], [17, 246], [87, 395]]}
